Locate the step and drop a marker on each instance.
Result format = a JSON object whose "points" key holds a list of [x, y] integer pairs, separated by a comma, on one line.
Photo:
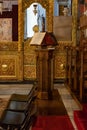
{"points": [[84, 107], [80, 119], [37, 128]]}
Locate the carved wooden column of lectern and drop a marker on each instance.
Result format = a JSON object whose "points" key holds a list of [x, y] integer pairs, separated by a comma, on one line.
{"points": [[44, 63], [44, 72]]}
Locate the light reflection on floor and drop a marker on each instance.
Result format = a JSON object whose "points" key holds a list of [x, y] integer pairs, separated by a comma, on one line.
{"points": [[69, 102]]}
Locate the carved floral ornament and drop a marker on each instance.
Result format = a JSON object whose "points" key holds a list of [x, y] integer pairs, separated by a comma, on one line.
{"points": [[27, 3]]}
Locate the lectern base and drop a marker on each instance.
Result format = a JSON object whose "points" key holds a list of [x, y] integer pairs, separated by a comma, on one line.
{"points": [[44, 95]]}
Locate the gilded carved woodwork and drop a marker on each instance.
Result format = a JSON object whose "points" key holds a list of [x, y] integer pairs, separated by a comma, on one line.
{"points": [[11, 54], [17, 44], [27, 3], [20, 26], [75, 16], [10, 66], [8, 46], [29, 72], [18, 61], [29, 66], [48, 5], [7, 66], [29, 61], [60, 59], [29, 53], [50, 16], [60, 54]]}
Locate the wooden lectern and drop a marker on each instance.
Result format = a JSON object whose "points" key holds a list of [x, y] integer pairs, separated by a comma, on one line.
{"points": [[44, 63]]}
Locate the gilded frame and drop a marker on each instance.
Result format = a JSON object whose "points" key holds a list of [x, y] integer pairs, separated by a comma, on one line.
{"points": [[60, 54], [15, 45], [48, 5]]}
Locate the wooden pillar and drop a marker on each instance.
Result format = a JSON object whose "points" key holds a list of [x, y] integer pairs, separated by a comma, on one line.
{"points": [[44, 59]]}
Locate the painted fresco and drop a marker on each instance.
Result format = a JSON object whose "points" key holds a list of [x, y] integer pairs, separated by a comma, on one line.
{"points": [[5, 29]]}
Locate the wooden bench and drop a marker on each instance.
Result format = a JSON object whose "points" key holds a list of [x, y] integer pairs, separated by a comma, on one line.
{"points": [[19, 112]]}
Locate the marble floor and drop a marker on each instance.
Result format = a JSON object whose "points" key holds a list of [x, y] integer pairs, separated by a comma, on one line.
{"points": [[68, 100]]}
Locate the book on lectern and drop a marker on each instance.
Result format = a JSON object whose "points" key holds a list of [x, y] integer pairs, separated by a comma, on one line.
{"points": [[37, 38], [43, 39]]}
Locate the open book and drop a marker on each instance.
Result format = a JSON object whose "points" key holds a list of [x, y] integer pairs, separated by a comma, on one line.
{"points": [[43, 39], [37, 38]]}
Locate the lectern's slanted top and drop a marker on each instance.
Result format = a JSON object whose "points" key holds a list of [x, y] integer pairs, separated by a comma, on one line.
{"points": [[43, 39]]}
